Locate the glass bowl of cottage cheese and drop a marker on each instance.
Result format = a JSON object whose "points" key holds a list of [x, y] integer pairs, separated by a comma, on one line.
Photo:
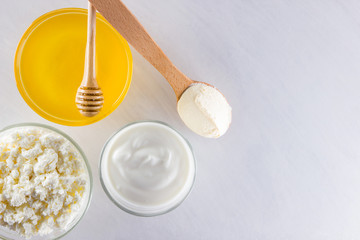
{"points": [[45, 182]]}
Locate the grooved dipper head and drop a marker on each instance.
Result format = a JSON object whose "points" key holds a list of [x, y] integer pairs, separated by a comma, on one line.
{"points": [[89, 100]]}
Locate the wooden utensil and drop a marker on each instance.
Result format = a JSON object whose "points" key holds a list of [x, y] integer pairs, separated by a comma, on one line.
{"points": [[89, 97], [130, 28]]}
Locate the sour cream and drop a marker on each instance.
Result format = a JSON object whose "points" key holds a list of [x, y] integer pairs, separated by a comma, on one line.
{"points": [[147, 168]]}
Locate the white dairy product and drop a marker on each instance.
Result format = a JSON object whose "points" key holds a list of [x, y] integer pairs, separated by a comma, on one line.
{"points": [[204, 110], [147, 168], [43, 181]]}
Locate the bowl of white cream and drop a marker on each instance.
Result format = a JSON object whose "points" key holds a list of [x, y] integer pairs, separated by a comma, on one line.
{"points": [[147, 168], [45, 182]]}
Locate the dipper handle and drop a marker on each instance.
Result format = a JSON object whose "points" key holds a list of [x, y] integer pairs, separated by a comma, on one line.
{"points": [[89, 78]]}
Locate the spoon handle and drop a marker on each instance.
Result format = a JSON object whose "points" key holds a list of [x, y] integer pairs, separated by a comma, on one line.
{"points": [[89, 78], [130, 28]]}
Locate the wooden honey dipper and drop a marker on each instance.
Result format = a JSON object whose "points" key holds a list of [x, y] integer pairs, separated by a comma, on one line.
{"points": [[89, 97]]}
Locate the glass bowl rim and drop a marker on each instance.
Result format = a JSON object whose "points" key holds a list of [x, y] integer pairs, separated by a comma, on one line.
{"points": [[88, 168], [138, 213]]}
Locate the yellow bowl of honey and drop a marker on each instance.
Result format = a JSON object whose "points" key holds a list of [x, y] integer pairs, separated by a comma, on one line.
{"points": [[49, 65]]}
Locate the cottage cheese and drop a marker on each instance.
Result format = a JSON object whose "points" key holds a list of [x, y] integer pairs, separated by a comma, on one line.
{"points": [[43, 181]]}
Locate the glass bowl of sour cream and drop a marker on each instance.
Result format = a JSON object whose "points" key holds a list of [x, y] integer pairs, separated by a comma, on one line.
{"points": [[45, 182], [147, 168]]}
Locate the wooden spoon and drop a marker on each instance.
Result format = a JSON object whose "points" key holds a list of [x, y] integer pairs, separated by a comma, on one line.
{"points": [[130, 28], [89, 97], [213, 118]]}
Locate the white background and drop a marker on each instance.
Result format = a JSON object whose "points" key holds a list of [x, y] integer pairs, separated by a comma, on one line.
{"points": [[289, 166]]}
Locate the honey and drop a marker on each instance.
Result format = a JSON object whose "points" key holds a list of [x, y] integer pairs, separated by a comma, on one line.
{"points": [[49, 65]]}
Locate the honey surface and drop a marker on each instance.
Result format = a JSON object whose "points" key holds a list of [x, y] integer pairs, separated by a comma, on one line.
{"points": [[52, 67]]}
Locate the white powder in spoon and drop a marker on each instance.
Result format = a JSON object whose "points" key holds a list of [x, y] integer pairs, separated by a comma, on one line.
{"points": [[204, 110]]}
